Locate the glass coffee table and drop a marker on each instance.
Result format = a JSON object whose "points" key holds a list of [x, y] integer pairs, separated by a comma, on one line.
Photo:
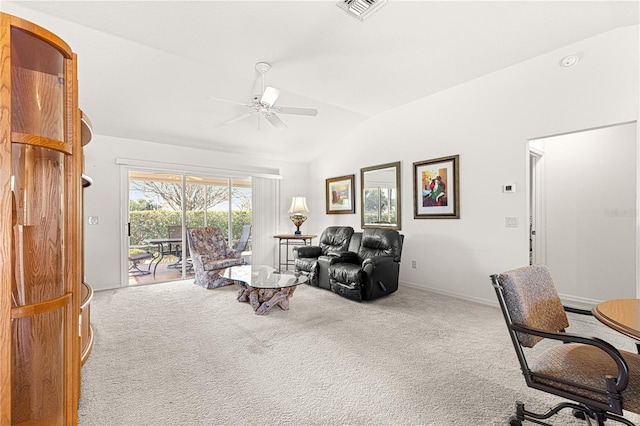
{"points": [[263, 287]]}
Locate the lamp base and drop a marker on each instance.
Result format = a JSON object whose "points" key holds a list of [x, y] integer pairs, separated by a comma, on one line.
{"points": [[297, 220]]}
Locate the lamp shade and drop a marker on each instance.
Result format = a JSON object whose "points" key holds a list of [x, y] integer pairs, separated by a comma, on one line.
{"points": [[298, 205]]}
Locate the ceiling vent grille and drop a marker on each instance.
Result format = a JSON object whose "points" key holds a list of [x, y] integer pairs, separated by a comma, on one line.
{"points": [[360, 9]]}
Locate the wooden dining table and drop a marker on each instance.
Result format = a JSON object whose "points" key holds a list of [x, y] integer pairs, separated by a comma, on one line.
{"points": [[622, 315]]}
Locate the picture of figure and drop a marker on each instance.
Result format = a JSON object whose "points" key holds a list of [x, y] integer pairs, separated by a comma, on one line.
{"points": [[434, 193], [436, 187]]}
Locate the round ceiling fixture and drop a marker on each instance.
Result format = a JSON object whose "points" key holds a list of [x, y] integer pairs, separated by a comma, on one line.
{"points": [[569, 61]]}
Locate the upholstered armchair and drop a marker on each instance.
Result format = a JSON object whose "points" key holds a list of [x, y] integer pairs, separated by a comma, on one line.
{"points": [[373, 271], [333, 241], [601, 379], [211, 255]]}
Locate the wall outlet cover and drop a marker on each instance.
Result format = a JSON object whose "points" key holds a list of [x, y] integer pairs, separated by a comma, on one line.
{"points": [[510, 187]]}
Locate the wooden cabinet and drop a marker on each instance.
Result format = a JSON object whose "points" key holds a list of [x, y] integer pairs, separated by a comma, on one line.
{"points": [[40, 224]]}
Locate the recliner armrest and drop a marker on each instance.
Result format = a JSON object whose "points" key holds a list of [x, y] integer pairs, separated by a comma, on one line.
{"points": [[343, 257], [308, 251], [370, 263]]}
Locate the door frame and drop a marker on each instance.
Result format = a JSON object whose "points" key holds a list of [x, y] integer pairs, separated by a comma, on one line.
{"points": [[535, 188], [536, 200]]}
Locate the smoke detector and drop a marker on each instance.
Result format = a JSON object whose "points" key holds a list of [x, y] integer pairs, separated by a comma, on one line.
{"points": [[360, 9], [570, 60]]}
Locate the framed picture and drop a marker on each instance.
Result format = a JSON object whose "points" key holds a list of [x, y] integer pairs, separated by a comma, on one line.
{"points": [[436, 189], [341, 195]]}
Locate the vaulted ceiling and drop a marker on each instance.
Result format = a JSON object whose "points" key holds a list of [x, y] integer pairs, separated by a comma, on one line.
{"points": [[148, 68]]}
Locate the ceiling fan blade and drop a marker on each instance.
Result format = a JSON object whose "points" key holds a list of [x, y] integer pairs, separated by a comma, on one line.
{"points": [[227, 100], [270, 96], [238, 118], [297, 111], [275, 121]]}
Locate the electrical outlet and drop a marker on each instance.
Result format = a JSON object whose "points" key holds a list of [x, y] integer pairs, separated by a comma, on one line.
{"points": [[511, 187], [414, 264]]}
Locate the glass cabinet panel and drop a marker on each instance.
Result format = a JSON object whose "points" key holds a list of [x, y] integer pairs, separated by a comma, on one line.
{"points": [[38, 224], [37, 94], [38, 369], [37, 185]]}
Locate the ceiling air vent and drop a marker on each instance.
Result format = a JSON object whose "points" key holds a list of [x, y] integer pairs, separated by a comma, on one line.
{"points": [[360, 9]]}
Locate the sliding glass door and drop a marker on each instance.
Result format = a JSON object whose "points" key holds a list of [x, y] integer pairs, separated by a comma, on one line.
{"points": [[163, 206]]}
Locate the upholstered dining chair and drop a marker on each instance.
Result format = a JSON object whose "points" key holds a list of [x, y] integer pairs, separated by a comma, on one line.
{"points": [[211, 255], [600, 379]]}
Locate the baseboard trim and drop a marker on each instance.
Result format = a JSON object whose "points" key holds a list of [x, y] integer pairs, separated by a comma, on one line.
{"points": [[451, 294], [578, 302], [573, 301]]}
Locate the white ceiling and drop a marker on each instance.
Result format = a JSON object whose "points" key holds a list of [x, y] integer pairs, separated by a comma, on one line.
{"points": [[146, 68]]}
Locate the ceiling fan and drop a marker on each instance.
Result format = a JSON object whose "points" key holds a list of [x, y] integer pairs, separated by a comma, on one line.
{"points": [[264, 104]]}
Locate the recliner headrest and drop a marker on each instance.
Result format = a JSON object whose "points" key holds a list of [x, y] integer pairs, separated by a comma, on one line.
{"points": [[335, 238], [379, 242]]}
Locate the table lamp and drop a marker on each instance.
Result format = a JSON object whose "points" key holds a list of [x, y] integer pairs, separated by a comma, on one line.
{"points": [[298, 206]]}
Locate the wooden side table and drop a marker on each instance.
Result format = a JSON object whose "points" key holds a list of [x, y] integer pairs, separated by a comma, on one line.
{"points": [[287, 240]]}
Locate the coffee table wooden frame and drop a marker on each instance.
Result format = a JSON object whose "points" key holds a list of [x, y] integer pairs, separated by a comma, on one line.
{"points": [[263, 287]]}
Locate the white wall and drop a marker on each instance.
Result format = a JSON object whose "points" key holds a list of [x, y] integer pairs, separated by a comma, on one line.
{"points": [[487, 122], [590, 212], [103, 250]]}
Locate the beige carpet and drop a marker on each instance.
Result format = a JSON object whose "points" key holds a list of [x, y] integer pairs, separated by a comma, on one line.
{"points": [[177, 354]]}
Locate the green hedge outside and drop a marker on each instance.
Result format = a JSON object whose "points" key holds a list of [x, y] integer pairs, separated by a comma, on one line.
{"points": [[373, 217], [155, 223]]}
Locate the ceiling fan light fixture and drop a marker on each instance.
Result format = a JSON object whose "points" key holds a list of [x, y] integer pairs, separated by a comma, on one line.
{"points": [[360, 9], [264, 104], [269, 96]]}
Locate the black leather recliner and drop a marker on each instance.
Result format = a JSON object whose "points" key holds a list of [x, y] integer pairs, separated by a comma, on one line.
{"points": [[374, 271], [333, 241]]}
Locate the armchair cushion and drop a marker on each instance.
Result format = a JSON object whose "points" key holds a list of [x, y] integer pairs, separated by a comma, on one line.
{"points": [[587, 365], [347, 273], [212, 265]]}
